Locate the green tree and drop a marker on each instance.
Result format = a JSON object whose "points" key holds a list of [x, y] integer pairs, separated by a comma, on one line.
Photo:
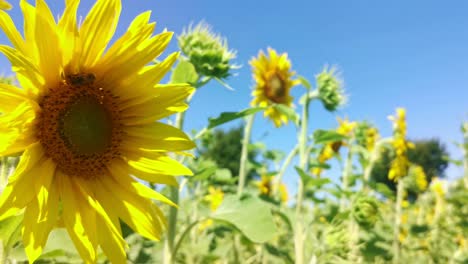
{"points": [[429, 153], [224, 148]]}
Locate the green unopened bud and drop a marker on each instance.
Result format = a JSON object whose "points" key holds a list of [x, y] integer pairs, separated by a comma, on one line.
{"points": [[207, 51], [365, 211], [337, 239], [330, 89]]}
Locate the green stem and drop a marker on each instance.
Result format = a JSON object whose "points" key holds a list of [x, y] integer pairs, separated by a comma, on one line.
{"points": [[346, 175], [174, 196], [284, 167], [397, 226], [244, 153], [183, 235], [299, 237]]}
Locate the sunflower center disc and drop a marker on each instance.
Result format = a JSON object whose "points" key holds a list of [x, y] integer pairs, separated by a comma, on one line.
{"points": [[87, 126], [80, 126], [275, 89]]}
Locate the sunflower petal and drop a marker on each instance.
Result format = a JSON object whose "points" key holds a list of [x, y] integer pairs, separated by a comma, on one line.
{"points": [[97, 30], [134, 210], [149, 177], [79, 218], [40, 217], [156, 137], [11, 31], [126, 181], [157, 164]]}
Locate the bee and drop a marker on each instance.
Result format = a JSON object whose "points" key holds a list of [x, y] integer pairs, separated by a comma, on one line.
{"points": [[79, 79]]}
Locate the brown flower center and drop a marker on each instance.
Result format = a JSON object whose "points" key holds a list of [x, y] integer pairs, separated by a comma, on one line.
{"points": [[275, 88], [79, 126]]}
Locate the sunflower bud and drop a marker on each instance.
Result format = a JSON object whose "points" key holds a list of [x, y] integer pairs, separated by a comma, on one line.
{"points": [[330, 89], [365, 211], [207, 51]]}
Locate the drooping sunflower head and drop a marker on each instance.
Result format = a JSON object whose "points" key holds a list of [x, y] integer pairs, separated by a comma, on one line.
{"points": [[85, 119], [273, 81]]}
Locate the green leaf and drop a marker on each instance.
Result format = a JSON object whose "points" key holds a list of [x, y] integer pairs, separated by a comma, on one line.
{"points": [[384, 189], [223, 176], [251, 216], [184, 72], [327, 136], [280, 253], [305, 177], [318, 182], [204, 174], [288, 111], [229, 116], [419, 229], [304, 82]]}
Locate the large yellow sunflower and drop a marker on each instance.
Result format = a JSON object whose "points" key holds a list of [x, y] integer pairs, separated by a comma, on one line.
{"points": [[273, 82], [85, 122]]}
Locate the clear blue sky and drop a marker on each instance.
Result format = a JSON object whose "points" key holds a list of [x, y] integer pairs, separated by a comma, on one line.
{"points": [[412, 54]]}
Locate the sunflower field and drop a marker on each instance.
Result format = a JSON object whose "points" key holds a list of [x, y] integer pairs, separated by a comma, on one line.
{"points": [[99, 165]]}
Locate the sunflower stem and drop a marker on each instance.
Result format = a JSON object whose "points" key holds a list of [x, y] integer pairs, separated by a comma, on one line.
{"points": [[244, 154], [299, 237], [346, 175], [283, 169], [169, 255], [397, 226]]}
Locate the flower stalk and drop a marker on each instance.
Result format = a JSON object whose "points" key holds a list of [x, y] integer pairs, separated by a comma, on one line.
{"points": [[244, 154], [397, 224]]}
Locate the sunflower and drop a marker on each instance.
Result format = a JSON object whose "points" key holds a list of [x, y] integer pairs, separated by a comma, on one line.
{"points": [[85, 120], [273, 78]]}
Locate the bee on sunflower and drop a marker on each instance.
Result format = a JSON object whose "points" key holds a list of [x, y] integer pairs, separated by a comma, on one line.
{"points": [[84, 118]]}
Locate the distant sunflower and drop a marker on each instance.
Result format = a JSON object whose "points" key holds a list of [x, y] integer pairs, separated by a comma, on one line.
{"points": [[273, 82], [85, 122]]}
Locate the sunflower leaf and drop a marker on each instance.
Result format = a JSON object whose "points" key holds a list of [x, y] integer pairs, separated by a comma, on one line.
{"points": [[327, 136], [184, 72], [240, 211], [229, 116]]}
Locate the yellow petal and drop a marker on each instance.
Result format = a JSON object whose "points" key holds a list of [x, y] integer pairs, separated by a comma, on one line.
{"points": [[136, 211], [97, 30], [149, 177], [68, 32], [143, 83], [18, 193], [108, 231], [5, 5], [11, 32], [32, 79], [126, 181], [156, 137], [46, 38], [79, 218], [157, 164], [131, 59], [29, 24], [40, 217]]}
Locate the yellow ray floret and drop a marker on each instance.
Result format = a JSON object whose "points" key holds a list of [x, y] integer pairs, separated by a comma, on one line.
{"points": [[273, 82], [84, 118]]}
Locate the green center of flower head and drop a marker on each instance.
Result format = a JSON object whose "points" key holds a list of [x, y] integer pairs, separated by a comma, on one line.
{"points": [[80, 126], [87, 126], [275, 90]]}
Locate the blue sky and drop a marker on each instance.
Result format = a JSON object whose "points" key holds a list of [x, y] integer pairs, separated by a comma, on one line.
{"points": [[411, 54]]}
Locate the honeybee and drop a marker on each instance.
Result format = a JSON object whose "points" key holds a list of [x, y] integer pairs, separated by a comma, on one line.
{"points": [[79, 79]]}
